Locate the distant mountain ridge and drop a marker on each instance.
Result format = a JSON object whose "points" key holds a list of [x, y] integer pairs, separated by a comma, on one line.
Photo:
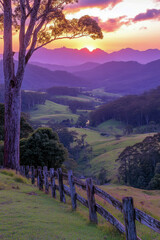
{"points": [[71, 57]]}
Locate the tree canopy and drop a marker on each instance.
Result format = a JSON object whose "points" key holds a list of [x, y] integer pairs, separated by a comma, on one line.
{"points": [[140, 163], [42, 148]]}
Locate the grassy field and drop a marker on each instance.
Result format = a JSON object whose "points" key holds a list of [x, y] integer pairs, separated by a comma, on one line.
{"points": [[106, 150], [51, 111], [29, 214], [111, 127]]}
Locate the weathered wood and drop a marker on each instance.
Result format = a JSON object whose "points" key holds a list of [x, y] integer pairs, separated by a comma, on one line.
{"points": [[72, 189], [147, 220], [46, 183], [53, 185], [38, 168], [65, 176], [40, 180], [82, 200], [61, 187], [91, 201], [32, 174], [79, 183], [21, 170], [67, 190], [114, 202], [129, 218], [27, 172], [111, 219]]}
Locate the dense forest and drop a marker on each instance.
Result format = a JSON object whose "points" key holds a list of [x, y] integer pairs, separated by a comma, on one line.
{"points": [[136, 110], [140, 164]]}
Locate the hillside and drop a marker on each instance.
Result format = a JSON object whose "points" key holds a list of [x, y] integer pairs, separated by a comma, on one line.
{"points": [[123, 77], [27, 213], [36, 78]]}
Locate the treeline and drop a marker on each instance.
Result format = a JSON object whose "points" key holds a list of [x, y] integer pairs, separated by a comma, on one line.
{"points": [[29, 98], [136, 110], [140, 164], [63, 91]]}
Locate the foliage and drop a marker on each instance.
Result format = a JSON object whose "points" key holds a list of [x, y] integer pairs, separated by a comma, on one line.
{"points": [[26, 128], [42, 148], [139, 164], [102, 176], [135, 110], [65, 91]]}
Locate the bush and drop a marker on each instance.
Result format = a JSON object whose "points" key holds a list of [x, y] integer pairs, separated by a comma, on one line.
{"points": [[42, 148]]}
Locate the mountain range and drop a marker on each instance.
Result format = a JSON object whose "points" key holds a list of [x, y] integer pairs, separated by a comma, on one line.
{"points": [[115, 77], [72, 57]]}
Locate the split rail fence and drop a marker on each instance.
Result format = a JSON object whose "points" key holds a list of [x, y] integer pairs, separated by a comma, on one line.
{"points": [[47, 179]]}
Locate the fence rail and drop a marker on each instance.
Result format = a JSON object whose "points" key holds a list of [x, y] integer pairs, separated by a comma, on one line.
{"points": [[46, 180]]}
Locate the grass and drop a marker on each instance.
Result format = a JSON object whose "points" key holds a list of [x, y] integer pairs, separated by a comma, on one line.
{"points": [[27, 213], [111, 127], [51, 111], [106, 150]]}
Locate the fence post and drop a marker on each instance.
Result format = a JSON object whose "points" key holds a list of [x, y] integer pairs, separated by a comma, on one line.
{"points": [[38, 168], [61, 187], [129, 218], [23, 171], [32, 175], [91, 201], [40, 179], [53, 185], [46, 183], [73, 191], [27, 172]]}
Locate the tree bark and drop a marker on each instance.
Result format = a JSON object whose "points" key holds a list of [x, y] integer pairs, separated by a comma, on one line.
{"points": [[12, 127]]}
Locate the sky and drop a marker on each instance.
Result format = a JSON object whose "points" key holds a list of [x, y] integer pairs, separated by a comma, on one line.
{"points": [[125, 24]]}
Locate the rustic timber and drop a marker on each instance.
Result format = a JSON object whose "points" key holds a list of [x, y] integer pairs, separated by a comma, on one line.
{"points": [[104, 213], [79, 183], [61, 187], [67, 190], [114, 202], [147, 220], [82, 200], [72, 189], [46, 183], [129, 218], [27, 172], [32, 174], [40, 180], [38, 168], [91, 201], [53, 185]]}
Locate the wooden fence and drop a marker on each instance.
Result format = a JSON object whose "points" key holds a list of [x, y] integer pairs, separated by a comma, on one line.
{"points": [[46, 179]]}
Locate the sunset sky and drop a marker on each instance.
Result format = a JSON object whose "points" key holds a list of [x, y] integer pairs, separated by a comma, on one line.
{"points": [[125, 23]]}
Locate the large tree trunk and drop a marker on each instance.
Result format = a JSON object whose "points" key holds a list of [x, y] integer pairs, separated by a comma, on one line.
{"points": [[12, 127]]}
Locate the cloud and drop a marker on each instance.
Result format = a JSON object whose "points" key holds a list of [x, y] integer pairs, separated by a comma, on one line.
{"points": [[93, 3], [113, 24], [148, 15]]}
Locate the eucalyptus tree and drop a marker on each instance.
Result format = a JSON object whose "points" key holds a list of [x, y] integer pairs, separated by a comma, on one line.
{"points": [[38, 22]]}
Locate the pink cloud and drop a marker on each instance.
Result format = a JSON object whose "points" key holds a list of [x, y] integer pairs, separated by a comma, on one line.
{"points": [[93, 3], [148, 15], [113, 24]]}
